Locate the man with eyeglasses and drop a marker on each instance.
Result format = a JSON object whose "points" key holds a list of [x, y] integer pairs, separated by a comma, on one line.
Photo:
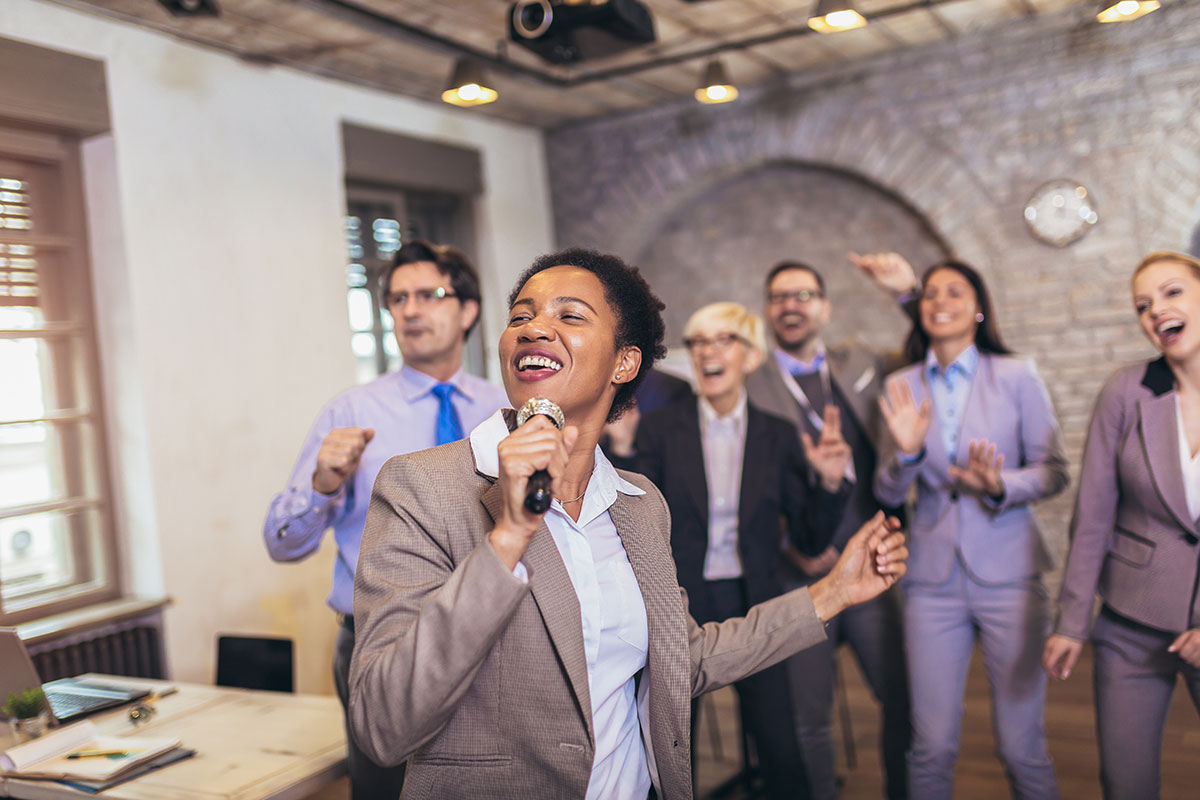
{"points": [[802, 380], [432, 293]]}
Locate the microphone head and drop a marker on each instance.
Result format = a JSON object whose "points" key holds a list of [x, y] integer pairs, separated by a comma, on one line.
{"points": [[540, 405]]}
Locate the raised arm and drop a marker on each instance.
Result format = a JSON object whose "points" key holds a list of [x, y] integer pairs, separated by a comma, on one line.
{"points": [[299, 515], [425, 620], [725, 652], [424, 624]]}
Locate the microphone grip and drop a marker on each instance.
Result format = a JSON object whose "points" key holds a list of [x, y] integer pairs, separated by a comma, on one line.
{"points": [[537, 492]]}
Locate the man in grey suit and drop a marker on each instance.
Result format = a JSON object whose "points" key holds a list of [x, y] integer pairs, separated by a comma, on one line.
{"points": [[802, 380]]}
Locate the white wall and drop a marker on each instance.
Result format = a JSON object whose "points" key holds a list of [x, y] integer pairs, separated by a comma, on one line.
{"points": [[216, 212]]}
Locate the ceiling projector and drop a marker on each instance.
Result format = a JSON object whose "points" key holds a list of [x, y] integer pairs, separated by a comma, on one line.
{"points": [[565, 32]]}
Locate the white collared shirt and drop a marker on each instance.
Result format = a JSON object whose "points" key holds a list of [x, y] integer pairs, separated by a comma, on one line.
{"points": [[723, 440], [616, 637], [1189, 464]]}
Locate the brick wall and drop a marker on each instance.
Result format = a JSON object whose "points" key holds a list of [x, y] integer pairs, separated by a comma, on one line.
{"points": [[722, 244], [930, 149]]}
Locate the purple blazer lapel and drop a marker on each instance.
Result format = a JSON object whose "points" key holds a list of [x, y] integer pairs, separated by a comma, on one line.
{"points": [[936, 458], [1160, 447], [551, 586]]}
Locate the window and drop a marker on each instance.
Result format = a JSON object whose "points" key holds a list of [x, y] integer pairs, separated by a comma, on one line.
{"points": [[57, 549], [400, 188], [378, 222]]}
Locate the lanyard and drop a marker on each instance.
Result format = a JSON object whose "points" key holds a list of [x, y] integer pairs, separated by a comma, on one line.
{"points": [[789, 380], [811, 413]]}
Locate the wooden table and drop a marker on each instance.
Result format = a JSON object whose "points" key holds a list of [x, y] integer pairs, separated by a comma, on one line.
{"points": [[249, 746]]}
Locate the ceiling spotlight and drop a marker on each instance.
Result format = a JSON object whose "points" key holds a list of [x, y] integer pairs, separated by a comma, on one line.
{"points": [[715, 86], [467, 85], [191, 8], [1125, 10], [832, 16]]}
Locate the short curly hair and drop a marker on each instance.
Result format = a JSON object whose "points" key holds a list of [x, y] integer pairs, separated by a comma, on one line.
{"points": [[638, 309]]}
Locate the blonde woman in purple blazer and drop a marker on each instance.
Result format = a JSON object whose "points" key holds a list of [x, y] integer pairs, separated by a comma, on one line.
{"points": [[973, 436], [1135, 536]]}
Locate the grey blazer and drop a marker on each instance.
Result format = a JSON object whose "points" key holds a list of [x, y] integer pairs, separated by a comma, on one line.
{"points": [[858, 373], [1131, 536], [480, 681], [1000, 542], [856, 369]]}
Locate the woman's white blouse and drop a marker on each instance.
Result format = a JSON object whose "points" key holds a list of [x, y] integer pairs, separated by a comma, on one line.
{"points": [[1190, 465]]}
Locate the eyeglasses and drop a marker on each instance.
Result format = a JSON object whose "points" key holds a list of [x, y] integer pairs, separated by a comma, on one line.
{"points": [[802, 296], [722, 341], [422, 297]]}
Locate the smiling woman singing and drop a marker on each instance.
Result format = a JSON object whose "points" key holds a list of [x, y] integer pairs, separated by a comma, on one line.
{"points": [[510, 655]]}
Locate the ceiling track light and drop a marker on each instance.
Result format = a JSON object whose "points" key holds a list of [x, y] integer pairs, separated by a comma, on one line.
{"points": [[468, 86], [715, 86], [834, 16], [1125, 10]]}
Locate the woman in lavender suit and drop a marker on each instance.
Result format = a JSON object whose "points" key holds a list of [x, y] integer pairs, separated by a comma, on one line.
{"points": [[973, 432], [1135, 537]]}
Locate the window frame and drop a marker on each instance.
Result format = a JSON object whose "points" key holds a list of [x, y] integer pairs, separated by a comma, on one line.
{"points": [[59, 154]]}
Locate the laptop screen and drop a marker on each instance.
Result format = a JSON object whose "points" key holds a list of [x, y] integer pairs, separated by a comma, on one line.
{"points": [[17, 672]]}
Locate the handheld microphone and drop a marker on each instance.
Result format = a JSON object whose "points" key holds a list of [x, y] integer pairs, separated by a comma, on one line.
{"points": [[537, 490]]}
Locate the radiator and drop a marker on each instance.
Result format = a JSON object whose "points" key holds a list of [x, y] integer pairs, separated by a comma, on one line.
{"points": [[132, 647]]}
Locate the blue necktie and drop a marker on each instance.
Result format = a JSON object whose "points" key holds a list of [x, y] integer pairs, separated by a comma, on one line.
{"points": [[449, 428]]}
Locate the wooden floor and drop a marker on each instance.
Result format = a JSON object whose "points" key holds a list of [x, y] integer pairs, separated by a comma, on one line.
{"points": [[1070, 725]]}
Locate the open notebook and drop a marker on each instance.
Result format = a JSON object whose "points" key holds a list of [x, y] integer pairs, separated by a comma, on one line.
{"points": [[76, 752]]}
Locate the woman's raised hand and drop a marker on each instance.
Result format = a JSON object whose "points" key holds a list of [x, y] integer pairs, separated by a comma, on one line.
{"points": [[907, 423], [872, 561], [982, 473], [537, 444]]}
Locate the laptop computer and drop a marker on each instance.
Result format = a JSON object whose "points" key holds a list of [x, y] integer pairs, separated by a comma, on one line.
{"points": [[69, 698]]}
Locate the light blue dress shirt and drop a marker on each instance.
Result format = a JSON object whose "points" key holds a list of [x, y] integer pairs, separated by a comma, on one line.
{"points": [[616, 636], [949, 389], [402, 409]]}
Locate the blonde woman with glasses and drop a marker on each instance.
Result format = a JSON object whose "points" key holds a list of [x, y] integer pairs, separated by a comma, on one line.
{"points": [[730, 473]]}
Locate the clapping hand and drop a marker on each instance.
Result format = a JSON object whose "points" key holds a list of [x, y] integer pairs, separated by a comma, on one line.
{"points": [[831, 454], [907, 423], [982, 473], [889, 270]]}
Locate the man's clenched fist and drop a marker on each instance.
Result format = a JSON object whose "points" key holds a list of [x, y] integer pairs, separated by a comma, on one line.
{"points": [[338, 457]]}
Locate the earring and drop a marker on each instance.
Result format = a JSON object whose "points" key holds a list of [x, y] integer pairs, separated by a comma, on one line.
{"points": [[979, 317]]}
